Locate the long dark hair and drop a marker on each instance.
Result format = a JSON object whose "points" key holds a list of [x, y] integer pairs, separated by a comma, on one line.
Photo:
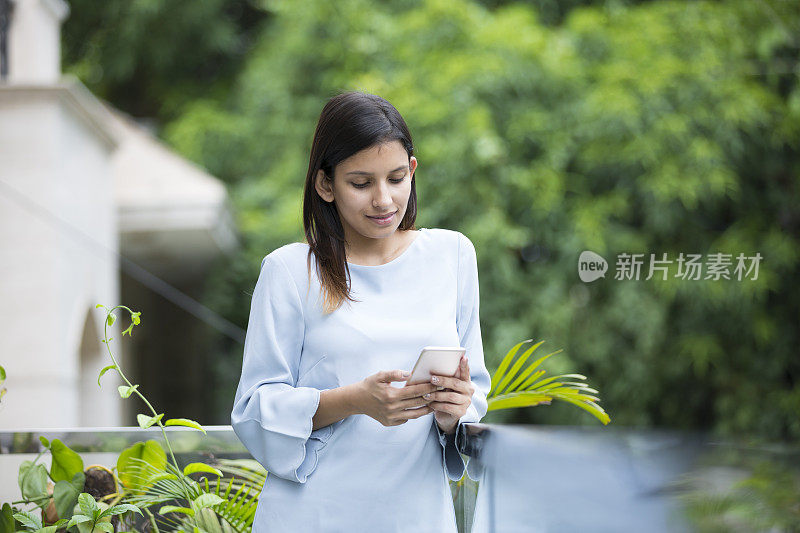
{"points": [[349, 122]]}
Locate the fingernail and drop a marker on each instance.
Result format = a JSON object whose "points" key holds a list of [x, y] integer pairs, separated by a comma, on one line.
{"points": [[439, 388], [406, 374], [426, 396], [434, 379]]}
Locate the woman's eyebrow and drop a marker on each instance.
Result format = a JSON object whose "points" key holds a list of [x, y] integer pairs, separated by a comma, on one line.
{"points": [[362, 173]]}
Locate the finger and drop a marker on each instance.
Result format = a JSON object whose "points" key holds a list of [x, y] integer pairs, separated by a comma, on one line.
{"points": [[446, 397], [412, 391], [460, 385], [387, 376], [464, 368], [416, 413], [412, 402]]}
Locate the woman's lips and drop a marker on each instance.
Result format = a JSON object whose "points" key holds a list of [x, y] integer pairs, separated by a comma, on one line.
{"points": [[382, 221]]}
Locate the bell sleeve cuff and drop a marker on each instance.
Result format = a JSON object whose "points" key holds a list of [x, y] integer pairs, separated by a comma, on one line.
{"points": [[271, 415], [454, 463]]}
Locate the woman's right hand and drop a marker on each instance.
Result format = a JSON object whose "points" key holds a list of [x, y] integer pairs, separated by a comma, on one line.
{"points": [[390, 405]]}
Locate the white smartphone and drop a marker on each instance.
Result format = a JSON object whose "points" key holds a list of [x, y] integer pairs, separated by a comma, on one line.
{"points": [[439, 360]]}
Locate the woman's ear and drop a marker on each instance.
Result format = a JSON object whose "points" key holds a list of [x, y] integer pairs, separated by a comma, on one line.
{"points": [[412, 165], [324, 186]]}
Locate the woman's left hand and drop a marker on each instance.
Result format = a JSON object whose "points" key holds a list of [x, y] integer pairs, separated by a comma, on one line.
{"points": [[451, 403]]}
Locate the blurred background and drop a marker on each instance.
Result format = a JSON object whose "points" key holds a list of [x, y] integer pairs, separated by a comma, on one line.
{"points": [[157, 154]]}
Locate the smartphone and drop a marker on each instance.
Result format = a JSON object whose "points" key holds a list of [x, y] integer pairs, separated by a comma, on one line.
{"points": [[439, 360]]}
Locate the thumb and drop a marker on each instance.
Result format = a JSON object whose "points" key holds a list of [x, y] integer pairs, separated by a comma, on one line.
{"points": [[387, 376]]}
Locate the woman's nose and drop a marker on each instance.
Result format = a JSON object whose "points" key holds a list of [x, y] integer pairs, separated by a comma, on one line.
{"points": [[382, 196]]}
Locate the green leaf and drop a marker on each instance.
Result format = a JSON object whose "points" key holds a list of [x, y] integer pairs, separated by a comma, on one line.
{"points": [[127, 330], [161, 476], [32, 480], [54, 527], [66, 463], [207, 500], [147, 421], [29, 520], [120, 509], [44, 441], [78, 519], [105, 369], [173, 509], [591, 407], [111, 318], [517, 399], [135, 318], [105, 526], [529, 381], [2, 374], [131, 472], [65, 494], [126, 391], [98, 306], [515, 369], [498, 375], [7, 519], [192, 468], [184, 422], [88, 504]]}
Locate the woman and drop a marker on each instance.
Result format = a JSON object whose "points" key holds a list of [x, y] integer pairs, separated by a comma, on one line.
{"points": [[334, 322]]}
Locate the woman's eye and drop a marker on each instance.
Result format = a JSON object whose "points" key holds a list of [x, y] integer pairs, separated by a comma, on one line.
{"points": [[366, 184]]}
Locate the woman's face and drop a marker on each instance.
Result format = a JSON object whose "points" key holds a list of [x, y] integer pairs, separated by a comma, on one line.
{"points": [[372, 183]]}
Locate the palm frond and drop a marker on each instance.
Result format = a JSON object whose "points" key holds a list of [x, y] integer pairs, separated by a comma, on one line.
{"points": [[518, 385], [234, 514], [498, 375]]}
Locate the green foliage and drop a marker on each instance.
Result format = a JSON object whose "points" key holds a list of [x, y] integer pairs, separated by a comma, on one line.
{"points": [[124, 54], [542, 130], [149, 478], [7, 521], [66, 493], [91, 516], [518, 385], [653, 128], [130, 470], [66, 463], [32, 480]]}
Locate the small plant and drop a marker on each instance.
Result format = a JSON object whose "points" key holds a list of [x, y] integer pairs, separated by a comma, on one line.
{"points": [[519, 385], [146, 479], [150, 479]]}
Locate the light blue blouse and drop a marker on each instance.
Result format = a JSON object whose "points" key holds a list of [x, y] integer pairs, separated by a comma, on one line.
{"points": [[356, 474]]}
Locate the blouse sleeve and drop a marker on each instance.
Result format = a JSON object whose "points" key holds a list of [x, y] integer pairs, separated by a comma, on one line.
{"points": [[271, 415], [469, 334]]}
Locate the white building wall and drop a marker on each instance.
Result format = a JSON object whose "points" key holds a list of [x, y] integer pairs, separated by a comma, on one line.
{"points": [[52, 272]]}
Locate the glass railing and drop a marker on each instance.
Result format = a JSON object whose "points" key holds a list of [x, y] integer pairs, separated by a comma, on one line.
{"points": [[523, 478]]}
